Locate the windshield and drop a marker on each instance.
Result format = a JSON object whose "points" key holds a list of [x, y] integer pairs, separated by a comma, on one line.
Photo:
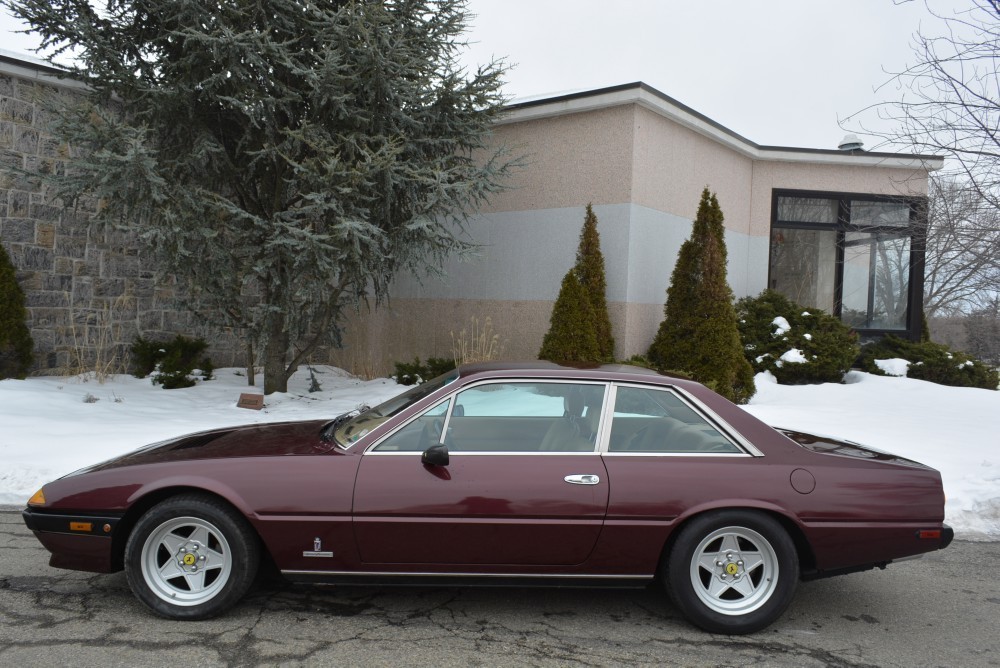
{"points": [[356, 427]]}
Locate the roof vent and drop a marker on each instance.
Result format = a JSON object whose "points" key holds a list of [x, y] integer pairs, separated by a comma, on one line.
{"points": [[850, 143]]}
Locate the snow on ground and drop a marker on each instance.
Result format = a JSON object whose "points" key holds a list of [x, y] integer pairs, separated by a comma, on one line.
{"points": [[48, 428], [53, 426]]}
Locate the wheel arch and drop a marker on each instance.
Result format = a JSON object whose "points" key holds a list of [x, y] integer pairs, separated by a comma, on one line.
{"points": [[807, 559], [142, 503]]}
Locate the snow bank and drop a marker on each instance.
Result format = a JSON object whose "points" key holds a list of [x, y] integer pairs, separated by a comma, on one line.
{"points": [[52, 426], [954, 429]]}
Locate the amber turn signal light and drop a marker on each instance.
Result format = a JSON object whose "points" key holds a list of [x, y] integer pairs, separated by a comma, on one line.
{"points": [[38, 498]]}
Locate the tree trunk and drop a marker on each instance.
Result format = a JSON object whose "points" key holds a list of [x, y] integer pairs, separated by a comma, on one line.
{"points": [[276, 374], [251, 371]]}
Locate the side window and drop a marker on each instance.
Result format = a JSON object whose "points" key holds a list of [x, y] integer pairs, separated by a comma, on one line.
{"points": [[418, 434], [526, 417], [657, 421]]}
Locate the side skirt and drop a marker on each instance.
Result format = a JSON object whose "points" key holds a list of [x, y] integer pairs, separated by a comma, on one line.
{"points": [[467, 579]]}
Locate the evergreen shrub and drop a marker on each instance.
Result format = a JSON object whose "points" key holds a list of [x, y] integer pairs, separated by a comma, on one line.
{"points": [[930, 361], [698, 334], [572, 335], [416, 372], [15, 339], [589, 270], [826, 347], [171, 363]]}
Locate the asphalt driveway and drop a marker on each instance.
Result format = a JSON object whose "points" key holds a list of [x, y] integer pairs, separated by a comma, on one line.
{"points": [[937, 611]]}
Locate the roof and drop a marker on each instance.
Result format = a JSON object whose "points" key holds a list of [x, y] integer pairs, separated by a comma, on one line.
{"points": [[643, 95], [637, 93]]}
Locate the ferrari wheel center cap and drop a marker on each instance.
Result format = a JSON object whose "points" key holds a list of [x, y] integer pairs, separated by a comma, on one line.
{"points": [[729, 566], [188, 557]]}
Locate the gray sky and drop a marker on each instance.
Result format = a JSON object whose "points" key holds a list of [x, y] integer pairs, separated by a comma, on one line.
{"points": [[779, 72]]}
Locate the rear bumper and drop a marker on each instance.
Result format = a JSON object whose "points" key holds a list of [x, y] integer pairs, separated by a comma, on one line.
{"points": [[947, 535]]}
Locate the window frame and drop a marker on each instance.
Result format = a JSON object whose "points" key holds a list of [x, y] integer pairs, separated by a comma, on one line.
{"points": [[745, 447], [451, 399], [916, 230]]}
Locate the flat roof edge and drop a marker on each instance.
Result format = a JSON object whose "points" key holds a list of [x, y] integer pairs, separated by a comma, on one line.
{"points": [[35, 69], [649, 98]]}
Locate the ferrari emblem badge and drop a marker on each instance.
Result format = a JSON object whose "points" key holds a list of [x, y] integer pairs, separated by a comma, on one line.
{"points": [[732, 568], [189, 559], [317, 550]]}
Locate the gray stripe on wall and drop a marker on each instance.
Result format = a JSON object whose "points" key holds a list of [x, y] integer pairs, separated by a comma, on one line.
{"points": [[525, 254]]}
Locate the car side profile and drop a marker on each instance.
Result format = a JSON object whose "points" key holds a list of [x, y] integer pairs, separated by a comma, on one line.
{"points": [[501, 473]]}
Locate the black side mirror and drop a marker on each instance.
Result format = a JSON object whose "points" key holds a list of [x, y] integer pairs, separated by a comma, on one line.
{"points": [[436, 455]]}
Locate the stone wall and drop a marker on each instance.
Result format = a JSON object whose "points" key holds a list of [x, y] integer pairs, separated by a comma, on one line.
{"points": [[89, 292]]}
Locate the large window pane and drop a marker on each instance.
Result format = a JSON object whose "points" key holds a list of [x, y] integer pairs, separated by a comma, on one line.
{"points": [[652, 421], [876, 280], [807, 210], [886, 214], [526, 417], [803, 266]]}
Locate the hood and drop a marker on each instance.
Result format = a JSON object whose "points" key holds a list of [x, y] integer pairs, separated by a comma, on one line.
{"points": [[829, 445], [259, 440]]}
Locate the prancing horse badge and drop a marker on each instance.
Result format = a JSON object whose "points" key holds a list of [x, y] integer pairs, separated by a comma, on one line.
{"points": [[317, 550]]}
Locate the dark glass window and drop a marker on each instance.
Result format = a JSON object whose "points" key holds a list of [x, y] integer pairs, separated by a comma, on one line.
{"points": [[850, 255]]}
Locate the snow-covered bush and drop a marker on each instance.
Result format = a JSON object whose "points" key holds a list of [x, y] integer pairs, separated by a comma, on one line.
{"points": [[930, 361], [171, 363], [796, 344], [416, 372]]}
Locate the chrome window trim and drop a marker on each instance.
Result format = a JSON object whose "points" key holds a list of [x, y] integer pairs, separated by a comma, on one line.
{"points": [[724, 428], [608, 385], [677, 454], [480, 453], [447, 414]]}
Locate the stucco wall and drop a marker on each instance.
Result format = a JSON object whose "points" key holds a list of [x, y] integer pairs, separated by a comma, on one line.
{"points": [[570, 160]]}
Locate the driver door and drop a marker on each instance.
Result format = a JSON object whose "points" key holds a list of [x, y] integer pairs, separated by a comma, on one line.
{"points": [[524, 484]]}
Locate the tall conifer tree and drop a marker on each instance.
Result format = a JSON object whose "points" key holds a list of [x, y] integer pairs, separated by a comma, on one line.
{"points": [[590, 272], [571, 336], [699, 332], [287, 159]]}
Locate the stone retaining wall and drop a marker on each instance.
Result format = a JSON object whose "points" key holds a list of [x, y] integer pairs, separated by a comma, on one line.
{"points": [[88, 292]]}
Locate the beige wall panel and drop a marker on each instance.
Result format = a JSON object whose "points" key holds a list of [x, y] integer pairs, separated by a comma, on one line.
{"points": [[571, 160], [673, 164], [430, 328], [874, 180]]}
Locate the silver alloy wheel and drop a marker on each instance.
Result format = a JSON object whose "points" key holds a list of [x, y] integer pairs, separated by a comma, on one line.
{"points": [[734, 570], [186, 561]]}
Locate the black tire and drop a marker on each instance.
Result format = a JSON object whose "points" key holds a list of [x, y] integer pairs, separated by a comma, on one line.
{"points": [[191, 557], [732, 571]]}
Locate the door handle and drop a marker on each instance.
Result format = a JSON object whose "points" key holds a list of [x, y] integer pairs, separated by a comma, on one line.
{"points": [[582, 479]]}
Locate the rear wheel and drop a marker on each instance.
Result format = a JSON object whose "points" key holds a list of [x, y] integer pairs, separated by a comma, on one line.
{"points": [[732, 571], [191, 557]]}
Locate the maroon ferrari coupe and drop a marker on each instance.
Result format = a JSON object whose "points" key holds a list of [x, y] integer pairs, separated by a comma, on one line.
{"points": [[501, 474]]}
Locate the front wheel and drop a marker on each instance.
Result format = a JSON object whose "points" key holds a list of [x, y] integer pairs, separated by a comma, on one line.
{"points": [[732, 571], [191, 557]]}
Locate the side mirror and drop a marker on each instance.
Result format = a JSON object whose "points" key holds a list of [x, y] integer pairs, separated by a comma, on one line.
{"points": [[436, 455]]}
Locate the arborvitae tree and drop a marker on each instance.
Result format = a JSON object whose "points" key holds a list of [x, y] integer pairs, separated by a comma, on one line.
{"points": [[590, 272], [698, 334], [286, 159], [15, 339], [572, 336]]}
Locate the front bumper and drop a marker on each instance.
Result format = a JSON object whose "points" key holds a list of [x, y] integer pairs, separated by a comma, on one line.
{"points": [[79, 542]]}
